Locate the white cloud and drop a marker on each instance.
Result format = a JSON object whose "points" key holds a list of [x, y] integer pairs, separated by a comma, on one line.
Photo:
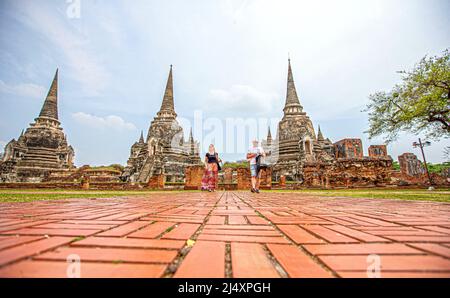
{"points": [[107, 122], [23, 89], [72, 41], [243, 98]]}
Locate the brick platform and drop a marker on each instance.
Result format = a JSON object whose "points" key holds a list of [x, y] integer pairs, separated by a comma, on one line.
{"points": [[235, 234]]}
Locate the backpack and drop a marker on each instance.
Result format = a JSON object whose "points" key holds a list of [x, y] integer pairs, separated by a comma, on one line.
{"points": [[219, 167]]}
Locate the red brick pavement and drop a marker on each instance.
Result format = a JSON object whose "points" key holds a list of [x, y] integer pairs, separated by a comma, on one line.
{"points": [[231, 235]]}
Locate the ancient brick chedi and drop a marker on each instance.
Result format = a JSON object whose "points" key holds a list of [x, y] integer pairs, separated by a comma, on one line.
{"points": [[164, 152], [296, 141], [41, 149], [299, 154]]}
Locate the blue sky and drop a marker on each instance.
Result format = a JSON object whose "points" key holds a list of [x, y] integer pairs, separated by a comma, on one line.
{"points": [[229, 57]]}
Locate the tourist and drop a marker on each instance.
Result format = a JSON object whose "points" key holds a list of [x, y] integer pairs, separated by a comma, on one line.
{"points": [[254, 154], [212, 167]]}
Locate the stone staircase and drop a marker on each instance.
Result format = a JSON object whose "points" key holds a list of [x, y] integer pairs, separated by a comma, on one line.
{"points": [[45, 157], [144, 175]]}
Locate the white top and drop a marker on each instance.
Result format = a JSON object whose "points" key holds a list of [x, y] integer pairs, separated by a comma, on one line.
{"points": [[255, 150]]}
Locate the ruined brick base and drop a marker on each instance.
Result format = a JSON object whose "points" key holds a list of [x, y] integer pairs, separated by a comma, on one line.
{"points": [[156, 182], [244, 179], [194, 175], [402, 179], [349, 172]]}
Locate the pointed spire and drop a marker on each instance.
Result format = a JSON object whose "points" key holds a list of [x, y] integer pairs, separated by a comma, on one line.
{"points": [[50, 107], [191, 143], [292, 105], [269, 137], [141, 139], [191, 137], [21, 134], [167, 106], [320, 137]]}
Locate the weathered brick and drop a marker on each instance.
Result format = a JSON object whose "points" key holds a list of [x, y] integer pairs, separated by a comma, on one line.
{"points": [[9, 241], [205, 260], [53, 232], [296, 263], [329, 235], [236, 220], [357, 234], [388, 263], [299, 235], [153, 230], [30, 249], [240, 238], [250, 260], [361, 249], [183, 231], [33, 269], [433, 248], [130, 242], [126, 229], [111, 255]]}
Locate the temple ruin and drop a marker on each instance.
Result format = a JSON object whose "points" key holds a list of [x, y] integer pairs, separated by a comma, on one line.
{"points": [[42, 148], [164, 152], [299, 154]]}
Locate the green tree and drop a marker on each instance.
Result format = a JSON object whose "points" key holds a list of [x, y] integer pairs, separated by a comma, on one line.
{"points": [[396, 165], [420, 104], [439, 167]]}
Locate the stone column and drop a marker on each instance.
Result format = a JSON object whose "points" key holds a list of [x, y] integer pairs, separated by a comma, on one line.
{"points": [[282, 181]]}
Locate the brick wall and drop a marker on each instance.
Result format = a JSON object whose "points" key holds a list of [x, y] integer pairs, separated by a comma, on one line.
{"points": [[378, 151], [73, 186], [410, 165], [156, 182], [266, 178], [243, 178], [401, 179], [348, 148], [193, 175], [350, 172], [228, 175]]}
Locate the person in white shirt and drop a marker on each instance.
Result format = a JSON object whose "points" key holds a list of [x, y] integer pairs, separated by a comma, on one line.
{"points": [[255, 151]]}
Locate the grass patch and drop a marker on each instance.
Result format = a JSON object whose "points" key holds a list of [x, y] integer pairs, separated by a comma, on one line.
{"points": [[78, 238], [169, 229], [441, 195], [31, 195]]}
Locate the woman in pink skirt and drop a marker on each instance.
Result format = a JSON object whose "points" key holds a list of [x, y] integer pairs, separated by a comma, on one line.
{"points": [[210, 178]]}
